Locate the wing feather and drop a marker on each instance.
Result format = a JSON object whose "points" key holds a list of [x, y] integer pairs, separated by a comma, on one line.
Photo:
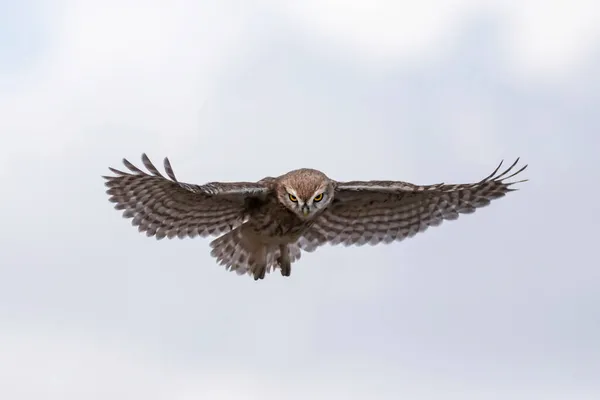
{"points": [[164, 207], [375, 212]]}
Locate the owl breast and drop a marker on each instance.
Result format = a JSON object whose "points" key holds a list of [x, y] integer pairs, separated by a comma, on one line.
{"points": [[275, 224]]}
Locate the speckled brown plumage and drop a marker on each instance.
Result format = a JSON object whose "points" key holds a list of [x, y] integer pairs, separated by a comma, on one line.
{"points": [[264, 225]]}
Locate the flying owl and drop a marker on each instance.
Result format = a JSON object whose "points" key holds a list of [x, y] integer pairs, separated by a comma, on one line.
{"points": [[266, 225]]}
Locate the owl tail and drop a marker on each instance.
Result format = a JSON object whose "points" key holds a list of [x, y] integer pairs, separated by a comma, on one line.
{"points": [[243, 252]]}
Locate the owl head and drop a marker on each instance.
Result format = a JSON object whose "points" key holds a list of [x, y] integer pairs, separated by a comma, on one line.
{"points": [[306, 192]]}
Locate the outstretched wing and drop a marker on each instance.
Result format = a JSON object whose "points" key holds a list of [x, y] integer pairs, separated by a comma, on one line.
{"points": [[384, 211], [164, 207]]}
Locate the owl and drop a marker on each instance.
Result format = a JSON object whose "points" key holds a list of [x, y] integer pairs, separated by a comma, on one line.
{"points": [[265, 225]]}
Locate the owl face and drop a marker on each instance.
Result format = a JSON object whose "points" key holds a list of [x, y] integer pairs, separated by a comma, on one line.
{"points": [[305, 192]]}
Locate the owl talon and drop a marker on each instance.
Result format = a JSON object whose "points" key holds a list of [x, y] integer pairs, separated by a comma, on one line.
{"points": [[259, 273], [286, 268]]}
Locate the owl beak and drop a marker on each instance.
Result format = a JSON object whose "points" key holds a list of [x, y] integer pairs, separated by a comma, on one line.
{"points": [[305, 210]]}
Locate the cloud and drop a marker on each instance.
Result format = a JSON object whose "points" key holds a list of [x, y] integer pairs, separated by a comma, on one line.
{"points": [[101, 57], [543, 39], [65, 365]]}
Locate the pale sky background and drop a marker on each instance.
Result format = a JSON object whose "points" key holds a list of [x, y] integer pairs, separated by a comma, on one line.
{"points": [[502, 304]]}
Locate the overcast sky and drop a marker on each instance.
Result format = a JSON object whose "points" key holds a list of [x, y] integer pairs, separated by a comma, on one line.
{"points": [[501, 304]]}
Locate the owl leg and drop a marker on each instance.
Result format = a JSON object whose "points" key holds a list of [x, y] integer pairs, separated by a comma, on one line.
{"points": [[260, 263], [284, 260]]}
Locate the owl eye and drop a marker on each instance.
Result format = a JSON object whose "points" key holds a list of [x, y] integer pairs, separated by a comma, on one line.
{"points": [[293, 198], [318, 197]]}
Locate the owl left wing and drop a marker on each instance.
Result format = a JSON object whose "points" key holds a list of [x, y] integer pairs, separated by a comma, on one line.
{"points": [[385, 211], [164, 207]]}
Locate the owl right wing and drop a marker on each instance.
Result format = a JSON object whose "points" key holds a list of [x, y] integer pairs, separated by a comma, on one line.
{"points": [[164, 207], [385, 211]]}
